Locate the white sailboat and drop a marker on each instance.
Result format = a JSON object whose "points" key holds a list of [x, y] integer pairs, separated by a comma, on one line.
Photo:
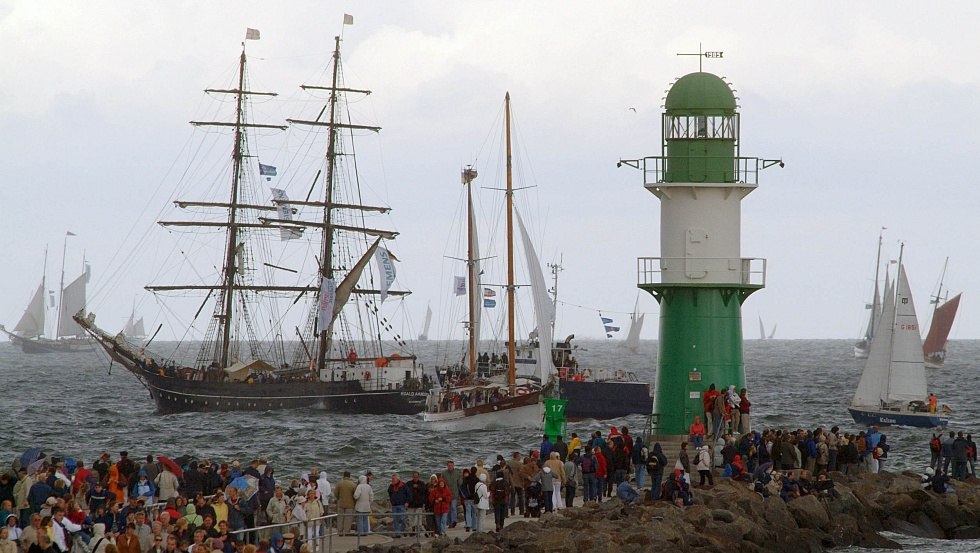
{"points": [[943, 314], [632, 342], [29, 333], [863, 346], [480, 403], [893, 389], [425, 327], [134, 328]]}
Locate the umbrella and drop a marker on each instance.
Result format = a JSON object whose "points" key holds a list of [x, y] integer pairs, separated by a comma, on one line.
{"points": [[248, 485], [29, 456], [171, 465], [35, 467]]}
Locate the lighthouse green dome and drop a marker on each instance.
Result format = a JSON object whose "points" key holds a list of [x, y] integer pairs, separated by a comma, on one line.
{"points": [[700, 94]]}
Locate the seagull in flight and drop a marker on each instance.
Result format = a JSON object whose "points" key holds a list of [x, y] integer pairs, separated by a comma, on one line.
{"points": [[632, 109]]}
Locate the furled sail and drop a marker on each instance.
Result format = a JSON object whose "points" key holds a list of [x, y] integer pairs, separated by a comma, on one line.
{"points": [[31, 324], [542, 302], [72, 301], [428, 321], [476, 295]]}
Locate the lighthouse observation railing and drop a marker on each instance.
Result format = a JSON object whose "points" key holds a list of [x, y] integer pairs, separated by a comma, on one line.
{"points": [[656, 169], [740, 271]]}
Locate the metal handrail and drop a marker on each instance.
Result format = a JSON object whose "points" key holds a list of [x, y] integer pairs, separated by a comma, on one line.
{"points": [[325, 528], [651, 270]]}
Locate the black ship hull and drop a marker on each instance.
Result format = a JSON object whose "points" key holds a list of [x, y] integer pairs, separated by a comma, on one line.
{"points": [[176, 395], [44, 345], [603, 400]]}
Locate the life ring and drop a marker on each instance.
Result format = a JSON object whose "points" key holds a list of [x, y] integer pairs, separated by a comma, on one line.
{"points": [[587, 373], [367, 375]]}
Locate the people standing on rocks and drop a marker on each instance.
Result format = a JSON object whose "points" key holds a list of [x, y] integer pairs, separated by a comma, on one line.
{"points": [[683, 460], [718, 410], [499, 498], [590, 484], [515, 470], [709, 408], [558, 473], [601, 473], [399, 496], [571, 475], [703, 466], [441, 500], [547, 481], [482, 502], [656, 463], [744, 410], [960, 456], [363, 496], [467, 495], [453, 476], [418, 494], [947, 451]]}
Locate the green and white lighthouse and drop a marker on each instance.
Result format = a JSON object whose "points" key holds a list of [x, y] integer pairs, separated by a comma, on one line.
{"points": [[701, 278]]}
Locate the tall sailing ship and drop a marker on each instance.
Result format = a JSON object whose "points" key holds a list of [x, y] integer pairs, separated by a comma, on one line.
{"points": [[473, 399], [943, 314], [29, 333], [339, 362]]}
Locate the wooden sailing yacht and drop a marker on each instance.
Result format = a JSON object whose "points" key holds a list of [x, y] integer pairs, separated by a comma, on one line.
{"points": [[29, 332], [943, 314], [244, 363], [863, 346], [893, 389], [477, 403]]}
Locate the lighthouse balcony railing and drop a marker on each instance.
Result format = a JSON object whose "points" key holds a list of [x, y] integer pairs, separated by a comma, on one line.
{"points": [[739, 271], [657, 169]]}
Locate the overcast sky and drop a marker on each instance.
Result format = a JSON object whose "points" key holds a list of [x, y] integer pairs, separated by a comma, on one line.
{"points": [[875, 112]]}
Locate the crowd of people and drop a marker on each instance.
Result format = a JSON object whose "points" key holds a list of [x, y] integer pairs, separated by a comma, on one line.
{"points": [[154, 506]]}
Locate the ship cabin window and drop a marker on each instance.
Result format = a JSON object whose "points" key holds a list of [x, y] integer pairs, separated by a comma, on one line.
{"points": [[701, 127]]}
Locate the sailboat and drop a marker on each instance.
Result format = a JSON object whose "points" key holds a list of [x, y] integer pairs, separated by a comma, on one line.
{"points": [[134, 327], [475, 403], [425, 327], [893, 389], [632, 342], [943, 314], [863, 346], [339, 363], [762, 331], [29, 332]]}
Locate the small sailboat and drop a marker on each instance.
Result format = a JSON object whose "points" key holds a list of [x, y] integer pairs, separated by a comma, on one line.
{"points": [[425, 326], [29, 332], [134, 328], [893, 389], [943, 314], [863, 346], [478, 403], [632, 341], [762, 331]]}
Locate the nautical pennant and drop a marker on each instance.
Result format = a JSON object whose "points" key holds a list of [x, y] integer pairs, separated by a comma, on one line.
{"points": [[607, 325]]}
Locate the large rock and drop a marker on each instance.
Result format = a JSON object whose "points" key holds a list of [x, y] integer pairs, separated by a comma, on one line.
{"points": [[844, 530], [778, 515], [966, 533], [808, 512], [925, 527]]}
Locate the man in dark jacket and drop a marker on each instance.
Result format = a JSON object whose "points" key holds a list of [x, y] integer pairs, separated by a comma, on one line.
{"points": [[418, 494], [960, 457], [561, 447], [620, 463]]}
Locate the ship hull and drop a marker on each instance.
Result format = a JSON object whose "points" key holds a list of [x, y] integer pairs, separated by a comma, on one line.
{"points": [[175, 395], [522, 411], [601, 400], [44, 345], [867, 416]]}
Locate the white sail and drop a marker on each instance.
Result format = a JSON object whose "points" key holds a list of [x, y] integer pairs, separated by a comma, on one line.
{"points": [[542, 302], [772, 332], [762, 329], [138, 329], [72, 301], [476, 294], [906, 377], [134, 327], [870, 390], [428, 321], [31, 324], [632, 341]]}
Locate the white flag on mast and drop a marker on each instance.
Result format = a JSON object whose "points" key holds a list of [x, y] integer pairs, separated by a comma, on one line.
{"points": [[348, 19], [328, 295], [252, 34], [460, 286], [387, 270]]}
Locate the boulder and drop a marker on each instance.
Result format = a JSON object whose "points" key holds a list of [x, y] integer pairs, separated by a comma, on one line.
{"points": [[808, 512], [778, 515], [925, 527], [966, 533], [844, 530], [723, 515]]}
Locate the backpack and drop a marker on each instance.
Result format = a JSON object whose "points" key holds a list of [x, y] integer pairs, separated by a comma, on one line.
{"points": [[588, 464], [653, 463], [499, 492], [935, 445], [644, 455]]}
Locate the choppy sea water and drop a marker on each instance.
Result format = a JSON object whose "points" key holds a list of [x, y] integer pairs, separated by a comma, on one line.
{"points": [[74, 405]]}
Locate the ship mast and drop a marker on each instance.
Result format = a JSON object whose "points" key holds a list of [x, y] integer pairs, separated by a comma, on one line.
{"points": [[874, 311], [61, 287], [468, 175], [511, 370]]}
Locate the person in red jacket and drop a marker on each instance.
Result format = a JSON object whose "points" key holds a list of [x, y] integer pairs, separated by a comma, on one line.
{"points": [[601, 472], [82, 475], [441, 497], [709, 402]]}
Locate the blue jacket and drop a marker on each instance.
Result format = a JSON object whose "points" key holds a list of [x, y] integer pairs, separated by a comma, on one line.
{"points": [[545, 448], [626, 492]]}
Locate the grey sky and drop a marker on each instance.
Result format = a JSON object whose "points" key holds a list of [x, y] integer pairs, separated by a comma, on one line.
{"points": [[873, 107]]}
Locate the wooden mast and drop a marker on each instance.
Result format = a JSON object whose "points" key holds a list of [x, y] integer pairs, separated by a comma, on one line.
{"points": [[468, 175], [228, 292], [511, 370], [326, 255]]}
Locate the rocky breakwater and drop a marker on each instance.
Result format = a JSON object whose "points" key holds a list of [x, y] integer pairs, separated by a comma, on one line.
{"points": [[732, 518]]}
